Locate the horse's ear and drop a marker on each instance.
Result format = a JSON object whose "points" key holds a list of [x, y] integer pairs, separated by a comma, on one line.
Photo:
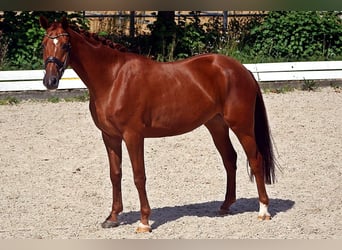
{"points": [[44, 22], [65, 24]]}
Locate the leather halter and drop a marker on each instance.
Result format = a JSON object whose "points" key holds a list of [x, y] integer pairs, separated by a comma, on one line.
{"points": [[61, 66]]}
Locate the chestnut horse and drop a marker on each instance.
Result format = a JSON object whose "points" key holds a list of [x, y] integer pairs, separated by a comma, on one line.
{"points": [[133, 97]]}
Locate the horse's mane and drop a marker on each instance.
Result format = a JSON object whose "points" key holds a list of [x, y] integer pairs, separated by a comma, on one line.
{"points": [[99, 39]]}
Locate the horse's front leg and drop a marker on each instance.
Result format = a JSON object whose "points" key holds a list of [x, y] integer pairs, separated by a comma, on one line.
{"points": [[135, 147], [114, 150]]}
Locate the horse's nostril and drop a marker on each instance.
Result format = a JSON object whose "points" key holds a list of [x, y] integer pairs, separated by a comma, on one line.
{"points": [[51, 82]]}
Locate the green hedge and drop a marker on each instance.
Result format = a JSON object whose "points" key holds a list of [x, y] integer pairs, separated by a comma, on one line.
{"points": [[293, 35]]}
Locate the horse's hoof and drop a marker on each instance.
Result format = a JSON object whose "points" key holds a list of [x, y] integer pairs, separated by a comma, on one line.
{"points": [[223, 212], [143, 228], [109, 224], [264, 217]]}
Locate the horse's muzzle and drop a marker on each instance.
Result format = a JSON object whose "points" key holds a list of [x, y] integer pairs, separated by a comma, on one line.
{"points": [[51, 82]]}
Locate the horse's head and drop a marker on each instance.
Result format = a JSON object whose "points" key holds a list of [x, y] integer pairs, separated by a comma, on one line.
{"points": [[56, 50]]}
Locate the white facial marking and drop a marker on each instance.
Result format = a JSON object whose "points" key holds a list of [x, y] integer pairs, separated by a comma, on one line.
{"points": [[55, 41]]}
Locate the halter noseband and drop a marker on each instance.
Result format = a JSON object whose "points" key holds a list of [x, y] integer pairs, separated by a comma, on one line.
{"points": [[61, 66]]}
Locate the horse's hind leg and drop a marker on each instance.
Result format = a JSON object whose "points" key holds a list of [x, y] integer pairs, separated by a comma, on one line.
{"points": [[256, 164], [220, 134], [243, 127]]}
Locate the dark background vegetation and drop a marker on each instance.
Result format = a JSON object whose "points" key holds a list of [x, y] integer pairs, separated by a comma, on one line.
{"points": [[277, 36]]}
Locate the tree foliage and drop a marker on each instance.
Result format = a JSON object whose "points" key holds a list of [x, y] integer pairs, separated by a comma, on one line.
{"points": [[189, 37], [279, 36], [21, 34]]}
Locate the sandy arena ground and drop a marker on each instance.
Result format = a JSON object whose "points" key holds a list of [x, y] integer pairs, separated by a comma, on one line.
{"points": [[55, 176]]}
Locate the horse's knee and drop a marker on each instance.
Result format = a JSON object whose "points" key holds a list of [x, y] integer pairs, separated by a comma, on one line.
{"points": [[140, 182]]}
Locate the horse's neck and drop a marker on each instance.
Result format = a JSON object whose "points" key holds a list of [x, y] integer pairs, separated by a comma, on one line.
{"points": [[88, 63]]}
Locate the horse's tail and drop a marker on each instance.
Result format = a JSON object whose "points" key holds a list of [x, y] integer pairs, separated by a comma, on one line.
{"points": [[263, 138]]}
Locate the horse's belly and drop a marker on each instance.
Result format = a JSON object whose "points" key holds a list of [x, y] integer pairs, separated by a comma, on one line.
{"points": [[175, 123]]}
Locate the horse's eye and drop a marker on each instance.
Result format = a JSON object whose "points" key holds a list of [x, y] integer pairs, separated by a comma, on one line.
{"points": [[66, 46]]}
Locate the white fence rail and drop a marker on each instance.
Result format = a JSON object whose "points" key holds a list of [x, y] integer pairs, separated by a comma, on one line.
{"points": [[33, 80], [296, 71], [24, 80]]}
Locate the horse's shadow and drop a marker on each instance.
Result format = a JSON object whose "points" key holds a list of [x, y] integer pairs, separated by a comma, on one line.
{"points": [[209, 209]]}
